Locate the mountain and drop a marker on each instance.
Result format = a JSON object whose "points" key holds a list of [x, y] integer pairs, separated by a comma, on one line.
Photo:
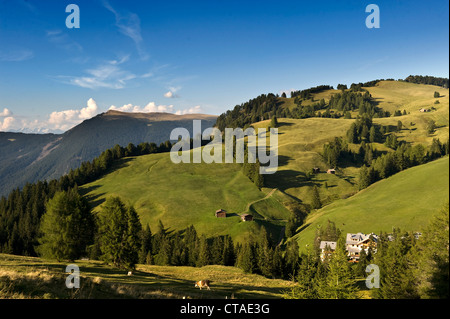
{"points": [[32, 157]]}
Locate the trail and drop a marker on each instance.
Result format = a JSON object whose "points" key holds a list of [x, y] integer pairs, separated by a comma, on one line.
{"points": [[261, 199]]}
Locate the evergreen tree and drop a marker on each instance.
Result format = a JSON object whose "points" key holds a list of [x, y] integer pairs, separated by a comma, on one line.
{"points": [[274, 122], [316, 203], [119, 229], [306, 287], [67, 226], [396, 276], [431, 267], [246, 258], [291, 259], [146, 245], [339, 282], [204, 254], [228, 254]]}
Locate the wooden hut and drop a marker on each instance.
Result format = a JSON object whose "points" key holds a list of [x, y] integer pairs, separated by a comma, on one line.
{"points": [[221, 213], [246, 217]]}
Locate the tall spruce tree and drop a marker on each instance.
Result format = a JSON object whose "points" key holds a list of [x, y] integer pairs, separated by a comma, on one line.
{"points": [[339, 282], [120, 230], [67, 227]]}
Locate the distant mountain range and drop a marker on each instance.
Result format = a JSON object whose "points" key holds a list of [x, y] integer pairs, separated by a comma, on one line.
{"points": [[32, 157]]}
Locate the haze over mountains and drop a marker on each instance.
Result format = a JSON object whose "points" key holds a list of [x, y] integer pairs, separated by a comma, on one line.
{"points": [[32, 157]]}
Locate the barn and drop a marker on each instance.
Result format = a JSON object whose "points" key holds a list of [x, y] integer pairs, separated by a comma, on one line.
{"points": [[221, 213], [246, 217]]}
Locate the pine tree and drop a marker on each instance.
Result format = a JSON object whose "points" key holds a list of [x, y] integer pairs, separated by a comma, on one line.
{"points": [[204, 254], [133, 243], [246, 258], [68, 227], [316, 203], [291, 258], [264, 255], [339, 282], [431, 267], [396, 276], [228, 254], [274, 122], [306, 287], [120, 230], [146, 245]]}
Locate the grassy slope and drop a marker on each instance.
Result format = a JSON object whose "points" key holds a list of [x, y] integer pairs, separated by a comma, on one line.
{"points": [[406, 200], [411, 97], [186, 194], [183, 194], [28, 277]]}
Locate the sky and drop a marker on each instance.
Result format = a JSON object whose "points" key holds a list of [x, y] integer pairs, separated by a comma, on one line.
{"points": [[200, 56]]}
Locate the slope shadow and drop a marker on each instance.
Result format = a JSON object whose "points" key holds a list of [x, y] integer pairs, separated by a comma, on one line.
{"points": [[286, 179]]}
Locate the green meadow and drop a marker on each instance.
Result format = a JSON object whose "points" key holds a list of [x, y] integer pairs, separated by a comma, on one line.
{"points": [[35, 278], [183, 194], [406, 200]]}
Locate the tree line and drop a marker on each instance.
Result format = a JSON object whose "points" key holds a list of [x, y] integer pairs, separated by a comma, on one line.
{"points": [[69, 231], [21, 210], [431, 80]]}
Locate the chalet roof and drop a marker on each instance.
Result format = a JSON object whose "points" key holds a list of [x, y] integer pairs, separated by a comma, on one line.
{"points": [[221, 211], [331, 244], [354, 239]]}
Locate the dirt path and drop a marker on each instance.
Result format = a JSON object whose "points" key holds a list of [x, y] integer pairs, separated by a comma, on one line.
{"points": [[258, 200]]}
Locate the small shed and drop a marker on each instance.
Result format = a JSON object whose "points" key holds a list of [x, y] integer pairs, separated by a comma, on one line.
{"points": [[221, 213], [424, 110], [246, 217], [331, 171], [316, 170]]}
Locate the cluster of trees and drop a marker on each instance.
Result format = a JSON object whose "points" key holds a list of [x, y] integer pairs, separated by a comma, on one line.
{"points": [[260, 108], [411, 267], [336, 152], [307, 94], [69, 230], [405, 156], [363, 130], [21, 210], [349, 101], [432, 80]]}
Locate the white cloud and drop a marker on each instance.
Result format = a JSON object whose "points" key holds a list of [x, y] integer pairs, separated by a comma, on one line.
{"points": [[5, 112], [8, 123], [168, 94], [108, 75], [64, 120], [192, 110], [130, 26], [62, 40], [16, 56], [149, 108], [171, 93]]}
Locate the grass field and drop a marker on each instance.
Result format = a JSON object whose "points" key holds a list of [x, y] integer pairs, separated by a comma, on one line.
{"points": [[185, 194], [407, 200], [29, 277]]}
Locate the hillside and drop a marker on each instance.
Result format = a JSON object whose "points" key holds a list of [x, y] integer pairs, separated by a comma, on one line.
{"points": [[184, 194], [28, 277], [406, 200], [30, 157]]}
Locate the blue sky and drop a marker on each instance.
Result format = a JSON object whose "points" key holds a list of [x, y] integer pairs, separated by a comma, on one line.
{"points": [[200, 56]]}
